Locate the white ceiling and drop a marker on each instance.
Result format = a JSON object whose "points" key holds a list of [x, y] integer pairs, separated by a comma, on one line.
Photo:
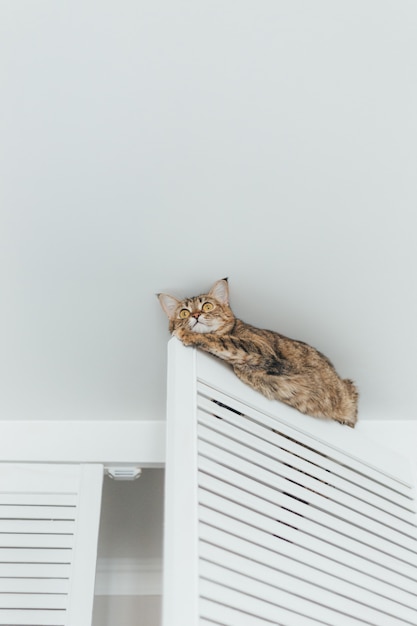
{"points": [[160, 145]]}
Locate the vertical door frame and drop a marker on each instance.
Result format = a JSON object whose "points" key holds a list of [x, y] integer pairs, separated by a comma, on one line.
{"points": [[180, 595], [81, 594]]}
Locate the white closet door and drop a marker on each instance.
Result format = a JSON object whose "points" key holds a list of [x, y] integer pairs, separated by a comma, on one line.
{"points": [[49, 518], [273, 517]]}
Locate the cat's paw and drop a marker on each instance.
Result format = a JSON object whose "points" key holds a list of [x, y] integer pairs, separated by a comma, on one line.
{"points": [[184, 336], [347, 422]]}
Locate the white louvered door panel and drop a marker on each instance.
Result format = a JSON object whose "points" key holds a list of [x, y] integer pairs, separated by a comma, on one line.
{"points": [[49, 516], [273, 517]]}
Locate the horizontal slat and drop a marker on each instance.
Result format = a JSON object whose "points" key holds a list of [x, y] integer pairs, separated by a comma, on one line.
{"points": [[276, 582], [223, 548], [35, 555], [313, 555], [49, 526], [33, 601], [35, 570], [216, 613], [37, 512], [41, 499], [34, 585], [301, 516], [379, 475], [209, 622], [218, 583], [32, 618], [321, 509], [237, 454], [257, 497], [306, 460], [17, 540]]}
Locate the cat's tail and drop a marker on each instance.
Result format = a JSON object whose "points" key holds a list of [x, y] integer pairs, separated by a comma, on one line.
{"points": [[353, 396]]}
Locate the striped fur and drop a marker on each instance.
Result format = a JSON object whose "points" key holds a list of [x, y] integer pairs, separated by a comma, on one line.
{"points": [[280, 368]]}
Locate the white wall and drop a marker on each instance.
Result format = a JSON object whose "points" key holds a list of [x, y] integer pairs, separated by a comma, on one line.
{"points": [[127, 611], [129, 567], [157, 145], [131, 521]]}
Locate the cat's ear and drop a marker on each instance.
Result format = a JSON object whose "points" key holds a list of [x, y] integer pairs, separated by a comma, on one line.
{"points": [[168, 303], [220, 291]]}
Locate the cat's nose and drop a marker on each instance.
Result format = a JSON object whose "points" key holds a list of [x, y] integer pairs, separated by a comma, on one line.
{"points": [[196, 315]]}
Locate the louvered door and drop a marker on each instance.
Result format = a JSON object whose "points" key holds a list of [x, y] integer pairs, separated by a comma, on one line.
{"points": [[273, 517], [49, 516]]}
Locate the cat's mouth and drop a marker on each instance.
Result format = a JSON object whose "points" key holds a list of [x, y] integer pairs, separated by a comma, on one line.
{"points": [[197, 323], [199, 327]]}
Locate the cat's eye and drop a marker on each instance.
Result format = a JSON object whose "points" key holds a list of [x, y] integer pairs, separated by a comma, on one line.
{"points": [[207, 306], [184, 313]]}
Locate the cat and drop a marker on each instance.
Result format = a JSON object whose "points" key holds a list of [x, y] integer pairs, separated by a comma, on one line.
{"points": [[280, 368]]}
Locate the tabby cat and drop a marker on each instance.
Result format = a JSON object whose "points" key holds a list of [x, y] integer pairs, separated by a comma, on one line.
{"points": [[278, 367]]}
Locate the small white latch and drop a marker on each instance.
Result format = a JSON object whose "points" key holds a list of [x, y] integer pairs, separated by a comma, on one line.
{"points": [[124, 472]]}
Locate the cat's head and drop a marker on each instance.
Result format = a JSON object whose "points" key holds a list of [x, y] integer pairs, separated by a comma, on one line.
{"points": [[207, 313]]}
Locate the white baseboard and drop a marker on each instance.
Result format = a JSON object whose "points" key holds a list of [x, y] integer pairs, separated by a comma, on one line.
{"points": [[128, 577]]}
